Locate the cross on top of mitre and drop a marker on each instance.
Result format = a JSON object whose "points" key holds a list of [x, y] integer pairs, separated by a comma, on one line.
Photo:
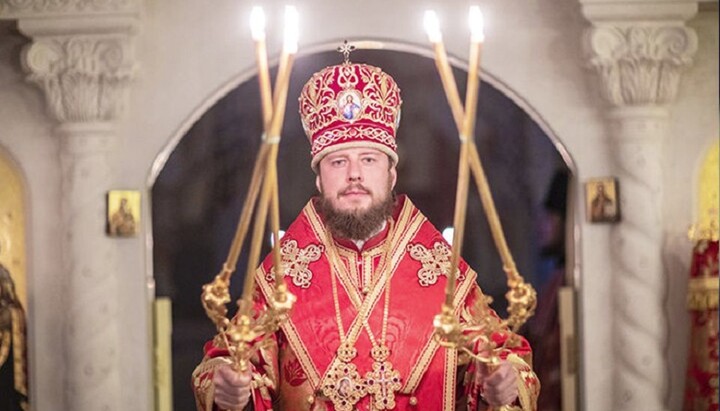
{"points": [[346, 49]]}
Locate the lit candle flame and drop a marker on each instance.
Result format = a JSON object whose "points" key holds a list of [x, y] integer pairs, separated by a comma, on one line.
{"points": [[257, 23], [477, 25], [291, 29], [432, 27]]}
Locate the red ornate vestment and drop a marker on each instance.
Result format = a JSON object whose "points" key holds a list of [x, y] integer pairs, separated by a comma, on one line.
{"points": [[701, 388], [289, 370]]}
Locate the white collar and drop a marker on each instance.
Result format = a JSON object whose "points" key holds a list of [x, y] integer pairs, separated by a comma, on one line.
{"points": [[361, 243]]}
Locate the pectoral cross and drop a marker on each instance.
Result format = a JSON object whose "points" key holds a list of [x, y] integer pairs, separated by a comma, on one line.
{"points": [[382, 383]]}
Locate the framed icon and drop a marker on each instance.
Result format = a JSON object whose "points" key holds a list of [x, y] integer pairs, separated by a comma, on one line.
{"points": [[602, 200], [123, 213]]}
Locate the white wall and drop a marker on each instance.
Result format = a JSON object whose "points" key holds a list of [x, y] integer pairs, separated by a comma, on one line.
{"points": [[190, 50]]}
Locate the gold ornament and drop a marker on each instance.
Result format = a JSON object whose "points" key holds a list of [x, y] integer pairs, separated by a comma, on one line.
{"points": [[343, 386]]}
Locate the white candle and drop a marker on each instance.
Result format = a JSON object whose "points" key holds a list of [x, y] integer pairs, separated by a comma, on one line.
{"points": [[477, 25], [257, 29], [257, 23], [290, 44], [432, 27]]}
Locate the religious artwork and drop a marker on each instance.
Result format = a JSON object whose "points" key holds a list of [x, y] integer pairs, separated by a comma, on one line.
{"points": [[349, 104], [123, 213], [13, 358], [602, 200]]}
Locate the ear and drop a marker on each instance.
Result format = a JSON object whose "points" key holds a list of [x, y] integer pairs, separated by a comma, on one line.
{"points": [[318, 183], [393, 177]]}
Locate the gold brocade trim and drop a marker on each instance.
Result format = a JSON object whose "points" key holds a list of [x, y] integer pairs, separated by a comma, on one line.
{"points": [[301, 353], [321, 233], [703, 300], [704, 284], [703, 293], [399, 239], [350, 134], [449, 380], [432, 345], [347, 256], [292, 335], [527, 398], [367, 256]]}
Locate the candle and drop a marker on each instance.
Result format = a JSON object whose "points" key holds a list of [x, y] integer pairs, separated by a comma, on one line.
{"points": [[257, 23], [471, 94], [282, 82], [432, 27], [257, 29], [268, 197], [477, 25], [291, 29]]}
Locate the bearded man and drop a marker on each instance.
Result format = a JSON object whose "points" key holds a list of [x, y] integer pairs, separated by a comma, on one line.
{"points": [[369, 272]]}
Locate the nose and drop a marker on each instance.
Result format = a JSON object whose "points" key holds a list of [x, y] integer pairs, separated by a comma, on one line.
{"points": [[354, 172]]}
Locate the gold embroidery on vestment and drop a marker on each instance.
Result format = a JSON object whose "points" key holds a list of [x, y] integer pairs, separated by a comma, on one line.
{"points": [[291, 334], [435, 262], [431, 347], [296, 260]]}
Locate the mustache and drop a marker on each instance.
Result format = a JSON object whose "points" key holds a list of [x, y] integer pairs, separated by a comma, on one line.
{"points": [[356, 188]]}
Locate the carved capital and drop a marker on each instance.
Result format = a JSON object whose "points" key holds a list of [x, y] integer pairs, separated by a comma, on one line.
{"points": [[81, 53], [640, 64], [84, 77], [17, 9]]}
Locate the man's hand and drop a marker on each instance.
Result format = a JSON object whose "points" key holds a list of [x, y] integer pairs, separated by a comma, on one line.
{"points": [[499, 387], [232, 389]]}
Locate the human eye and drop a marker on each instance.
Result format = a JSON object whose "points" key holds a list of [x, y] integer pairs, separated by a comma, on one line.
{"points": [[369, 159], [337, 162]]}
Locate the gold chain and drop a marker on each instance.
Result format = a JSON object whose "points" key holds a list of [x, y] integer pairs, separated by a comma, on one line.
{"points": [[364, 315], [336, 302], [343, 384]]}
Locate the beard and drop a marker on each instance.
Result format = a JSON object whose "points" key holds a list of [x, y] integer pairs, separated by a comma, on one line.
{"points": [[356, 224]]}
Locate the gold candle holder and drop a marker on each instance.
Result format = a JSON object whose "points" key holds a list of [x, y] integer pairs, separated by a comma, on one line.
{"points": [[246, 330], [520, 296]]}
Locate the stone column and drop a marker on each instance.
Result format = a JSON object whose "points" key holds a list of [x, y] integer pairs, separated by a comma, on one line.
{"points": [[81, 57], [638, 51]]}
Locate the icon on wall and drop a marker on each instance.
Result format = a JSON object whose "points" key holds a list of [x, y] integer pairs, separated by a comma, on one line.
{"points": [[602, 200], [123, 218]]}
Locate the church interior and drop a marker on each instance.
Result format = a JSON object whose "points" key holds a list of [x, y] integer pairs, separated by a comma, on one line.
{"points": [[129, 130]]}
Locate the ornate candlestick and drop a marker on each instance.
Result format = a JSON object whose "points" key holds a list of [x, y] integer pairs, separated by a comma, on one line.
{"points": [[521, 296], [240, 335]]}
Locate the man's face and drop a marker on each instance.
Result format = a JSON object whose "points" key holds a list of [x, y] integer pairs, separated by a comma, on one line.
{"points": [[354, 179]]}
